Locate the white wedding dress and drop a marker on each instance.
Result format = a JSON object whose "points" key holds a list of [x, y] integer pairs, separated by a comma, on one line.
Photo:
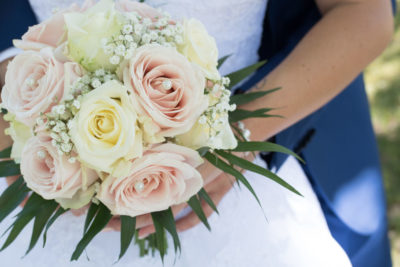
{"points": [[295, 232]]}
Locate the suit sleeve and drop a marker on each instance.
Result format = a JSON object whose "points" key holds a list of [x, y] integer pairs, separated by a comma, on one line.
{"points": [[15, 18]]}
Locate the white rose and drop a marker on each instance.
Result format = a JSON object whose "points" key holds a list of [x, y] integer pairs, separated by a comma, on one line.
{"points": [[220, 136], [86, 30], [105, 131], [199, 136], [20, 134], [199, 47]]}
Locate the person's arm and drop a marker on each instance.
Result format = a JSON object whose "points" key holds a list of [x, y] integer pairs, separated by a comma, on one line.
{"points": [[350, 34]]}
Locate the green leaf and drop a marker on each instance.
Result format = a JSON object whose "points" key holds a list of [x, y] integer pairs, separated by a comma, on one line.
{"points": [[32, 205], [161, 240], [265, 146], [93, 209], [41, 217], [55, 216], [222, 60], [195, 204], [128, 229], [237, 76], [241, 99], [12, 197], [245, 164], [203, 150], [23, 218], [217, 162], [167, 220], [9, 168], [242, 114], [100, 221], [204, 195], [6, 153]]}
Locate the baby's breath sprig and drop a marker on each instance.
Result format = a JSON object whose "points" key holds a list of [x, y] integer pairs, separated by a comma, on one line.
{"points": [[139, 31], [218, 110]]}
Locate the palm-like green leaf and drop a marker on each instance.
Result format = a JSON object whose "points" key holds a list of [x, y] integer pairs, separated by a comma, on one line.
{"points": [[265, 146], [222, 60], [167, 221], [101, 219], [242, 114], [220, 164], [93, 209], [9, 168], [245, 164], [53, 218], [6, 153], [203, 150], [195, 204], [41, 217], [23, 218], [161, 240], [204, 195], [12, 197], [237, 76], [128, 229], [241, 99]]}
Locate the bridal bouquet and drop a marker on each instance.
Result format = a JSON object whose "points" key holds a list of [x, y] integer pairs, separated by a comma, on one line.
{"points": [[113, 106]]}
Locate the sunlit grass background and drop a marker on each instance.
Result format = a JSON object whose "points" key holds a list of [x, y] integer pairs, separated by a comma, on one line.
{"points": [[383, 86]]}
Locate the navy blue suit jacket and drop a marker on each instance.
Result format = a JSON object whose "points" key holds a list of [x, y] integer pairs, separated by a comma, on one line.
{"points": [[337, 141]]}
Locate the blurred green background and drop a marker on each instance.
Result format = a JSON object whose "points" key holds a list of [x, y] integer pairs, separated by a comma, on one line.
{"points": [[383, 86]]}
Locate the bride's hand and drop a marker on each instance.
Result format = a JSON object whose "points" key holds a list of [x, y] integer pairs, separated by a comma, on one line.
{"points": [[216, 189], [145, 223]]}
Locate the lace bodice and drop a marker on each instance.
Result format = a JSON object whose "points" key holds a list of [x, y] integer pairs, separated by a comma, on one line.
{"points": [[235, 24]]}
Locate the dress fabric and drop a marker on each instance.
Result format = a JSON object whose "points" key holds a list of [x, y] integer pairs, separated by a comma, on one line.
{"points": [[289, 230]]}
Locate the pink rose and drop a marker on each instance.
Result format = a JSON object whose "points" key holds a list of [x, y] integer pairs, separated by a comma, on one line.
{"points": [[49, 174], [166, 87], [166, 175], [35, 82], [143, 10], [50, 32]]}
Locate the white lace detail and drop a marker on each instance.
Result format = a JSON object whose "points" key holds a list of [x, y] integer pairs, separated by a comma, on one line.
{"points": [[235, 24]]}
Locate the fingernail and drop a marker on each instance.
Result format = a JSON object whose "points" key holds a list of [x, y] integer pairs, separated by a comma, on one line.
{"points": [[143, 235]]}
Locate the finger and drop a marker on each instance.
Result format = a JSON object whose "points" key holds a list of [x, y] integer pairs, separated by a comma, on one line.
{"points": [[149, 229], [113, 225], [146, 231], [81, 211], [11, 179]]}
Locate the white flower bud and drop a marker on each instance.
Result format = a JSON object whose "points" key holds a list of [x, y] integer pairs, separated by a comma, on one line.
{"points": [[115, 60], [120, 50], [129, 38], [203, 119], [138, 29], [95, 83], [127, 29], [99, 72], [146, 38], [76, 104]]}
